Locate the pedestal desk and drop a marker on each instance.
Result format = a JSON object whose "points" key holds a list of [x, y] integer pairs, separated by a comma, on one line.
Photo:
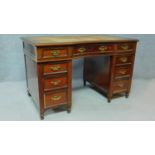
{"points": [[108, 67]]}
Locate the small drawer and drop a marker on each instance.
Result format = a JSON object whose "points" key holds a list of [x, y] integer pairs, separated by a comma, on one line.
{"points": [[103, 48], [81, 50], [53, 83], [55, 68], [55, 98], [60, 52], [120, 86], [122, 72], [125, 47], [124, 59]]}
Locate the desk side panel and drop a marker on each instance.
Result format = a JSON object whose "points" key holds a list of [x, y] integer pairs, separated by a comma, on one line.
{"points": [[31, 71], [32, 79], [97, 72]]}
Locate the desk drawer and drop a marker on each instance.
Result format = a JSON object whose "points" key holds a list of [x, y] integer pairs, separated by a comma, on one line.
{"points": [[101, 48], [55, 98], [122, 72], [54, 52], [120, 86], [81, 50], [55, 68], [55, 82], [126, 47], [124, 59]]}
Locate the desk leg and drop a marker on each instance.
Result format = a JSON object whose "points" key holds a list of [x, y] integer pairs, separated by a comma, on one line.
{"points": [[84, 82], [127, 95], [111, 73], [109, 96], [42, 116], [84, 73], [28, 93], [109, 99], [41, 90], [69, 107]]}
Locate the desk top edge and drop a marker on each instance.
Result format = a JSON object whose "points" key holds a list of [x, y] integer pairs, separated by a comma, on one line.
{"points": [[74, 40]]}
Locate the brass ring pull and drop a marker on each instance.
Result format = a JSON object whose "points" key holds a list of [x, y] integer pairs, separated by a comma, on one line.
{"points": [[124, 59], [55, 68], [55, 83], [56, 98], [124, 47], [103, 48], [82, 49], [55, 53]]}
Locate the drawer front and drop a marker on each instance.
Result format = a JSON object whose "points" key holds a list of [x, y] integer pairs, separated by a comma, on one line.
{"points": [[55, 68], [55, 98], [126, 47], [101, 48], [122, 72], [124, 59], [81, 50], [120, 86], [53, 83], [60, 52]]}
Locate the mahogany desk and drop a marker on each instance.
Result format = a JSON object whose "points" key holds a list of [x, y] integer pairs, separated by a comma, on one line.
{"points": [[108, 66]]}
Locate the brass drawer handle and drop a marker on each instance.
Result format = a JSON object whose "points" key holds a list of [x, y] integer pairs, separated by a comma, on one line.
{"points": [[122, 72], [82, 49], [56, 98], [124, 47], [55, 68], [55, 83], [103, 48], [124, 59], [120, 85], [55, 53]]}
